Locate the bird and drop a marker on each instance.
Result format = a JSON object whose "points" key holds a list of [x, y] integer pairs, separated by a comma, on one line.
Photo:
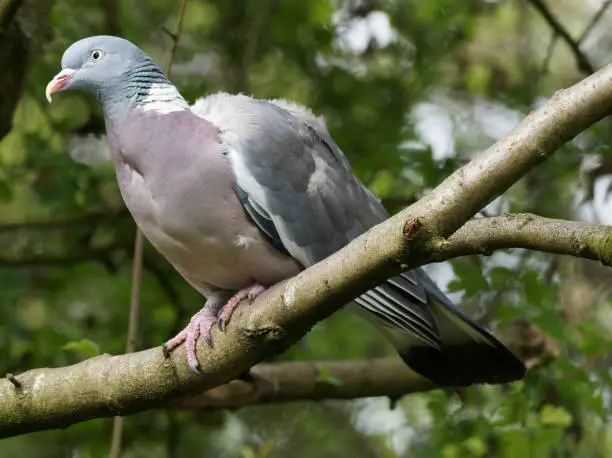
{"points": [[240, 193]]}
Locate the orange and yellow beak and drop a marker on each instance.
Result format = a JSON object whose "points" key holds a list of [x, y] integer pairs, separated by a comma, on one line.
{"points": [[58, 82]]}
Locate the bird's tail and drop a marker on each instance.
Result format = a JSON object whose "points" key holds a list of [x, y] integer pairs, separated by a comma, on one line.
{"points": [[434, 337]]}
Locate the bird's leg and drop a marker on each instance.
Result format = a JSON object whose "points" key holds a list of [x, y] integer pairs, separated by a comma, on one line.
{"points": [[200, 325], [228, 309], [202, 322]]}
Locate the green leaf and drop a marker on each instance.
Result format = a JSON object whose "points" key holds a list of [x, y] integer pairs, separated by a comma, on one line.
{"points": [[514, 443], [6, 193], [555, 416], [85, 346], [476, 446], [451, 451], [326, 377], [469, 276]]}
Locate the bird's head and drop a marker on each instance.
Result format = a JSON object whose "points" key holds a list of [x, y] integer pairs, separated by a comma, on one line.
{"points": [[109, 69]]}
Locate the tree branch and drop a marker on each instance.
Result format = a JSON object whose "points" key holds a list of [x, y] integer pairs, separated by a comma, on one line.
{"points": [[256, 28], [318, 381], [584, 65], [485, 235], [304, 381], [594, 21], [111, 385]]}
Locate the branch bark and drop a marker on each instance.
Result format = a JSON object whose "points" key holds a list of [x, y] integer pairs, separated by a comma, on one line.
{"points": [[485, 235], [319, 381], [304, 381], [112, 385]]}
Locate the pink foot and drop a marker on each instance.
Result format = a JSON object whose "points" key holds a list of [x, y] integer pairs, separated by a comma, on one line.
{"points": [[200, 325], [202, 322], [229, 308]]}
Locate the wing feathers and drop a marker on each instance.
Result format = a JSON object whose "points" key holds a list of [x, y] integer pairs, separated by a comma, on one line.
{"points": [[297, 187], [388, 312], [261, 219]]}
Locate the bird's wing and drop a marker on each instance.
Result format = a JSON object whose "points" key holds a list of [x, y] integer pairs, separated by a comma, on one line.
{"points": [[298, 188], [292, 178]]}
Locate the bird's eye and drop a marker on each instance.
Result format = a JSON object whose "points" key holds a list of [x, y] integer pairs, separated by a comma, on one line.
{"points": [[96, 54]]}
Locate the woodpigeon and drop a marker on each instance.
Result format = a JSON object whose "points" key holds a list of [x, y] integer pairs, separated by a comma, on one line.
{"points": [[240, 193]]}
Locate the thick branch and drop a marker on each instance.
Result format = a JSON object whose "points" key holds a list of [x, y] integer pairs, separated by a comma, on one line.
{"points": [[318, 381], [110, 385]]}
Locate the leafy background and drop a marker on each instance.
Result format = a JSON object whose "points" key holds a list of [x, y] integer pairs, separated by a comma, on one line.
{"points": [[410, 90]]}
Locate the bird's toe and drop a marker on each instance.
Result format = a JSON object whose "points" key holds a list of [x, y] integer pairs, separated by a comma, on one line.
{"points": [[200, 325], [173, 343], [250, 293]]}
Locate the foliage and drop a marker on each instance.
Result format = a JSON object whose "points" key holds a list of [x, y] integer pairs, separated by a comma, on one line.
{"points": [[409, 90]]}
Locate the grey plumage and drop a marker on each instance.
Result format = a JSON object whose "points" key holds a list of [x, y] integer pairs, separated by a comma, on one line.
{"points": [[236, 192]]}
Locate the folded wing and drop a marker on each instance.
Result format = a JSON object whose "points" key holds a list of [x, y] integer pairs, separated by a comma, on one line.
{"points": [[298, 188]]}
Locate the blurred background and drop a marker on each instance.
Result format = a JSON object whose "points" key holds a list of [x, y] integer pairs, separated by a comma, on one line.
{"points": [[410, 90]]}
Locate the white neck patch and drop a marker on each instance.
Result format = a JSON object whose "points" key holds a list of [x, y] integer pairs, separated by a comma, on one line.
{"points": [[164, 98]]}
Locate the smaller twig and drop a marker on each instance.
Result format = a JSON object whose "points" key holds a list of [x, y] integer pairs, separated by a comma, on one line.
{"points": [[253, 37], [131, 334], [112, 9], [523, 230], [550, 50], [169, 290], [174, 435], [584, 65], [175, 37], [135, 300], [163, 280], [551, 269], [167, 32], [594, 20]]}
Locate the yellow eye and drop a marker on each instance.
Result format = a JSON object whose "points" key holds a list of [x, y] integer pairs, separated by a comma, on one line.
{"points": [[96, 54]]}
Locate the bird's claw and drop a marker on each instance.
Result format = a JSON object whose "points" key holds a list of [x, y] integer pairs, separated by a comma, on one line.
{"points": [[228, 309], [202, 322], [200, 326]]}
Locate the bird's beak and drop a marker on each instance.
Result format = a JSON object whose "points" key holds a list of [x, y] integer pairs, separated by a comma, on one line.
{"points": [[58, 82]]}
